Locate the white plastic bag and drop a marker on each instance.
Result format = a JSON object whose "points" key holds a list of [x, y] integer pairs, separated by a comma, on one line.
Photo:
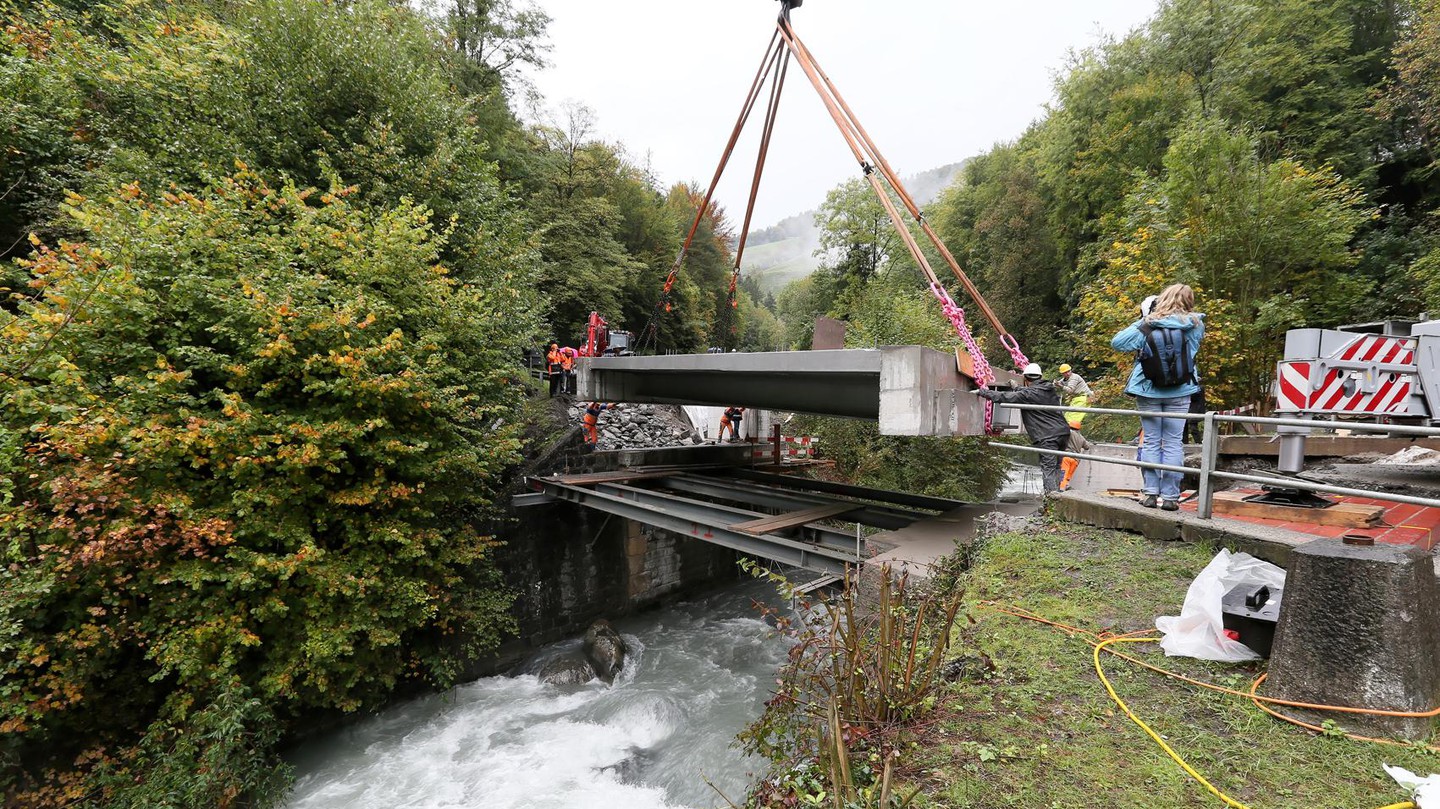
{"points": [[1199, 630], [1425, 792]]}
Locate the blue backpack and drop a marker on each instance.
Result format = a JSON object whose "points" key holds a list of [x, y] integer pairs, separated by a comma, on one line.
{"points": [[1164, 359]]}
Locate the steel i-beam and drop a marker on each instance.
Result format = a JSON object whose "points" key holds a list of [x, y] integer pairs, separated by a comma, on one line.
{"points": [[817, 558]]}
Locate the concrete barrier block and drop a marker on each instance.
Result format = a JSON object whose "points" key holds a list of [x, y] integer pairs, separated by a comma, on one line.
{"points": [[1360, 626]]}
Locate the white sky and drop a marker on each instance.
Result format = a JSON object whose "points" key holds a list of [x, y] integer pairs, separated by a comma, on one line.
{"points": [[933, 81]]}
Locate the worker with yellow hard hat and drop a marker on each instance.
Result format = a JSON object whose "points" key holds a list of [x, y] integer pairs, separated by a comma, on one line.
{"points": [[1075, 392]]}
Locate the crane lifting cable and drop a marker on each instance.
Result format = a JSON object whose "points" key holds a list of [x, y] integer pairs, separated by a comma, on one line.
{"points": [[785, 44]]}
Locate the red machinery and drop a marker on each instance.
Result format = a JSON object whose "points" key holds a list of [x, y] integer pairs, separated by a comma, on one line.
{"points": [[602, 341]]}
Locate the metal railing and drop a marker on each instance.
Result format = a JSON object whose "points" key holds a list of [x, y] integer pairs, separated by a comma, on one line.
{"points": [[1210, 452]]}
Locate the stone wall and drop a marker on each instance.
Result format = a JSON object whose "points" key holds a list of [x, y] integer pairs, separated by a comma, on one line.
{"points": [[570, 565]]}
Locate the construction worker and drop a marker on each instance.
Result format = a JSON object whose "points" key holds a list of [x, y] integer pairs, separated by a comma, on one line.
{"points": [[590, 422], [555, 368], [1047, 428], [731, 419], [1078, 443], [1075, 392], [567, 364]]}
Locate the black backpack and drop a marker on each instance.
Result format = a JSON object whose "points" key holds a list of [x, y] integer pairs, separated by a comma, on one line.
{"points": [[1164, 359]]}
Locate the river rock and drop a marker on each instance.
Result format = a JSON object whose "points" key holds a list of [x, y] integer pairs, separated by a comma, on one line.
{"points": [[567, 671], [605, 650]]}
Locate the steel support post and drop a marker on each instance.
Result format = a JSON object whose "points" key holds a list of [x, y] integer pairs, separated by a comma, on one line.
{"points": [[1209, 456]]}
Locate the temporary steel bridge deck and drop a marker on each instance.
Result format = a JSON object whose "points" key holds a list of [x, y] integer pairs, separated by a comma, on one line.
{"points": [[761, 514]]}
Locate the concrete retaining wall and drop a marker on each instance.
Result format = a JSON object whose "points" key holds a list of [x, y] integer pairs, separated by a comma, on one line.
{"points": [[570, 565]]}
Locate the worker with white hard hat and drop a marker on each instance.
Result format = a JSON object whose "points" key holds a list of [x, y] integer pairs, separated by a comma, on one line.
{"points": [[1047, 428]]}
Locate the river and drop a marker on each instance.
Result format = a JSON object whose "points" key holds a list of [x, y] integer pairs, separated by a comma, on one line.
{"points": [[698, 673]]}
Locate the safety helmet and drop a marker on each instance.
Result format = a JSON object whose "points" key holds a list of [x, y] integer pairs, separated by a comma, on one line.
{"points": [[1065, 368], [1147, 305], [1032, 371]]}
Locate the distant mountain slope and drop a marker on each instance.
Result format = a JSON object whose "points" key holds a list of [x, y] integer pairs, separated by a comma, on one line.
{"points": [[785, 251]]}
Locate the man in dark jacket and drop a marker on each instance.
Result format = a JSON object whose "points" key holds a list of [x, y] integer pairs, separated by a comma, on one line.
{"points": [[1047, 428]]}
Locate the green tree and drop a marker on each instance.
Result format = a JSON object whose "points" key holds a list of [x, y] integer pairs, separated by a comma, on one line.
{"points": [[799, 304], [995, 224], [1266, 244], [493, 39]]}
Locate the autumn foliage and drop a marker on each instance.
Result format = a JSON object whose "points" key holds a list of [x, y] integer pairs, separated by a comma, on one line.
{"points": [[248, 432]]}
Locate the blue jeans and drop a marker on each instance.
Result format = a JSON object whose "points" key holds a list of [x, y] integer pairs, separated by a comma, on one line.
{"points": [[1162, 444]]}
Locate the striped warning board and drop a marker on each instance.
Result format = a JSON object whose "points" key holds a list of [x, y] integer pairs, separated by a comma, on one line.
{"points": [[1369, 375], [791, 446]]}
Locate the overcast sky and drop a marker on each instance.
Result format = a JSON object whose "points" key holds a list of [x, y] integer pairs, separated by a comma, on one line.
{"points": [[933, 81]]}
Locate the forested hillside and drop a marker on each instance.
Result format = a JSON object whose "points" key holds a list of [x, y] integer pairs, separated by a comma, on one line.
{"points": [[786, 251], [1278, 157]]}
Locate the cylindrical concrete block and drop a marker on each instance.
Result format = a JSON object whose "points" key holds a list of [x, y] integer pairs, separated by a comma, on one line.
{"points": [[1360, 626]]}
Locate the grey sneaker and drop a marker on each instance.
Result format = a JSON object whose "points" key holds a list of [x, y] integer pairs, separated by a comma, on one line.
{"points": [[1169, 505], [1148, 501]]}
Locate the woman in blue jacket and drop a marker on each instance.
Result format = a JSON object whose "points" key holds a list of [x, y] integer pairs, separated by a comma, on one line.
{"points": [[1173, 309]]}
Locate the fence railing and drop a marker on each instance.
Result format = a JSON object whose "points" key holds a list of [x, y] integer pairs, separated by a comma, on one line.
{"points": [[1210, 452]]}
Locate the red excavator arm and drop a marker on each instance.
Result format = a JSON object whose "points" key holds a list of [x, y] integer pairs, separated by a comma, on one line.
{"points": [[597, 336]]}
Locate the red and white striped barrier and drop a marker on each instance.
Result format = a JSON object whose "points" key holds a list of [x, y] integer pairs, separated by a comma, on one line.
{"points": [[791, 446], [1369, 375]]}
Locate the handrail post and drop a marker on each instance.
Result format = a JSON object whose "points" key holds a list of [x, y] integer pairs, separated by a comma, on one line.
{"points": [[1209, 455]]}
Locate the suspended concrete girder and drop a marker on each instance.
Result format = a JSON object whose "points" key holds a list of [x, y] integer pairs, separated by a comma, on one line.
{"points": [[908, 390]]}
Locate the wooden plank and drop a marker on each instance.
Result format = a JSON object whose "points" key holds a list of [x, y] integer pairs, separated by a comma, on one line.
{"points": [[1344, 515], [1323, 446], [790, 519]]}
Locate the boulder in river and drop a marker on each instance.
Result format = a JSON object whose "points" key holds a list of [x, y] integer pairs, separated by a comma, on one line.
{"points": [[567, 671], [605, 649]]}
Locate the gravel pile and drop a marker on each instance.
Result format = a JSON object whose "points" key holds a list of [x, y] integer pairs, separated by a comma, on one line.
{"points": [[638, 426]]}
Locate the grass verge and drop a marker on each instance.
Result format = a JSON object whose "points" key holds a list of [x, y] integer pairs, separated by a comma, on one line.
{"points": [[1029, 723]]}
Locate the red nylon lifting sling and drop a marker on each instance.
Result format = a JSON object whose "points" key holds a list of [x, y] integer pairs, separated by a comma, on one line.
{"points": [[872, 163]]}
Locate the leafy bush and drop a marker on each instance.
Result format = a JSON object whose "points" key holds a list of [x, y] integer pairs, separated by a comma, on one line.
{"points": [[860, 670], [959, 468], [252, 431]]}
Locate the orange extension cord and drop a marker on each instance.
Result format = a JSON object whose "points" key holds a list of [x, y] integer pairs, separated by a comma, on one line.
{"points": [[1102, 641]]}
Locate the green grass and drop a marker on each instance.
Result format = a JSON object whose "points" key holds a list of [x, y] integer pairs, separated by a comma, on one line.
{"points": [[1038, 730]]}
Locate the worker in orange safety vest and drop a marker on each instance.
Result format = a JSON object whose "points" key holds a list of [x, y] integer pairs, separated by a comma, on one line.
{"points": [[567, 362], [731, 419], [591, 420], [555, 368], [1075, 392]]}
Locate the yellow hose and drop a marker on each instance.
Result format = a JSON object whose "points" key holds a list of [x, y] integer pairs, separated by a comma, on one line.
{"points": [[1100, 670], [1099, 645]]}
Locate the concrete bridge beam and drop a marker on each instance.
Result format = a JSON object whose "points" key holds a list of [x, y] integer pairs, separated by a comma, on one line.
{"points": [[908, 390]]}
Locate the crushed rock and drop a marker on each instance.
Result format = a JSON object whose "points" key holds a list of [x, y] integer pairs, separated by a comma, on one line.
{"points": [[1412, 456], [640, 426], [998, 522]]}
